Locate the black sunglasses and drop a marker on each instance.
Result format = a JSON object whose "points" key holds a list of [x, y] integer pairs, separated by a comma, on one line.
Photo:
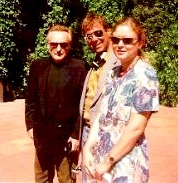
{"points": [[62, 45], [98, 33], [126, 41]]}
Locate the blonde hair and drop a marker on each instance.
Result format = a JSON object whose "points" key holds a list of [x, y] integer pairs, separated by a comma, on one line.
{"points": [[91, 18], [59, 27]]}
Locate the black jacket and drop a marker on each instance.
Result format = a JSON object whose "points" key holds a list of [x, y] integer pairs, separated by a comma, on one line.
{"points": [[53, 122]]}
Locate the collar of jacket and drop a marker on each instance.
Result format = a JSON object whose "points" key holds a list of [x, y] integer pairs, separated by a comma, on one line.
{"points": [[98, 63]]}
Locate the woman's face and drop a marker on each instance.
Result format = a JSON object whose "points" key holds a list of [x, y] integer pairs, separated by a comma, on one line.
{"points": [[125, 44]]}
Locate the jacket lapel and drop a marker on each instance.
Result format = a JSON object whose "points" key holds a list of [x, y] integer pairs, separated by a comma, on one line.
{"points": [[82, 100], [109, 65], [42, 87]]}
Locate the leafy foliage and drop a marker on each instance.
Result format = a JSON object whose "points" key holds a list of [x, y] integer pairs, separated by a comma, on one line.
{"points": [[167, 66], [9, 20], [159, 19], [155, 17], [57, 14], [110, 9], [12, 72]]}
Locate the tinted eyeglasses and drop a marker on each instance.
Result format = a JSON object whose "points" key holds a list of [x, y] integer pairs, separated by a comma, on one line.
{"points": [[126, 41], [98, 34], [63, 45]]}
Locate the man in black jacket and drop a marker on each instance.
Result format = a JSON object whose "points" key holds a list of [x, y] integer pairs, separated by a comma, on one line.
{"points": [[52, 106]]}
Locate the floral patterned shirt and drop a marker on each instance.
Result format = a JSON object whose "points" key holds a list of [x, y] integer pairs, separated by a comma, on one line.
{"points": [[135, 92]]}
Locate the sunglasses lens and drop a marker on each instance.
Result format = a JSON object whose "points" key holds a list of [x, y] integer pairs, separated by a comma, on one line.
{"points": [[98, 33], [115, 40], [62, 45], [89, 37], [54, 45], [128, 40]]}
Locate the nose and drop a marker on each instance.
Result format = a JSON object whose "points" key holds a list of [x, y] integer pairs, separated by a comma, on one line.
{"points": [[58, 47], [94, 38], [120, 43]]}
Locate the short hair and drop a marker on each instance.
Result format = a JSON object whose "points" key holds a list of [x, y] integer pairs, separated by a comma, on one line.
{"points": [[59, 27], [92, 18], [136, 27]]}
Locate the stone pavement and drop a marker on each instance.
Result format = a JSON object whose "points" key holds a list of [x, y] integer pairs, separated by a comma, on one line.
{"points": [[16, 148], [17, 151]]}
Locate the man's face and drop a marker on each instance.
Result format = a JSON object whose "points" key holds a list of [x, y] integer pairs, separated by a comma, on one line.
{"points": [[97, 38], [58, 43]]}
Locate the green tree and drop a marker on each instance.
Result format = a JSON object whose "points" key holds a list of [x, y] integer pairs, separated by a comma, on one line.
{"points": [[158, 17], [166, 64], [64, 12], [11, 69], [160, 20], [56, 14], [155, 17]]}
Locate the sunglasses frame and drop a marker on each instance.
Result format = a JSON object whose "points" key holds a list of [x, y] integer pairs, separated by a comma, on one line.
{"points": [[97, 33], [126, 41], [63, 45]]}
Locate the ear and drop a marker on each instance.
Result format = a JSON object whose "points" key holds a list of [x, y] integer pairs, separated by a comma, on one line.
{"points": [[48, 46], [108, 30], [140, 45], [47, 41]]}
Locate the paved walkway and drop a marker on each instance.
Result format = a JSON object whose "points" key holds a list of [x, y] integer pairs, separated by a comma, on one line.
{"points": [[17, 151]]}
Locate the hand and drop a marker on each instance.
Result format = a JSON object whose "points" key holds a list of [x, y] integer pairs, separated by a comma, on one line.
{"points": [[79, 173], [75, 144], [88, 162], [30, 133], [78, 178], [102, 168]]}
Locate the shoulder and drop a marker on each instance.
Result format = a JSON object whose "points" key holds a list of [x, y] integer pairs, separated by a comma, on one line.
{"points": [[144, 69], [78, 63], [111, 59], [40, 62], [39, 65]]}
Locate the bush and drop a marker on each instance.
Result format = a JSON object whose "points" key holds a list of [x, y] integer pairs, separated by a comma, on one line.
{"points": [[11, 65], [9, 21], [167, 66], [155, 18], [159, 19]]}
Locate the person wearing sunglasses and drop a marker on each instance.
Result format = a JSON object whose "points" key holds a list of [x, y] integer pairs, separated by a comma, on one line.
{"points": [[116, 148], [52, 106], [97, 36]]}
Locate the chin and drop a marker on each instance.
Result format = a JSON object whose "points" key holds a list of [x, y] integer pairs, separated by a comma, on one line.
{"points": [[119, 56], [100, 50], [58, 58]]}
